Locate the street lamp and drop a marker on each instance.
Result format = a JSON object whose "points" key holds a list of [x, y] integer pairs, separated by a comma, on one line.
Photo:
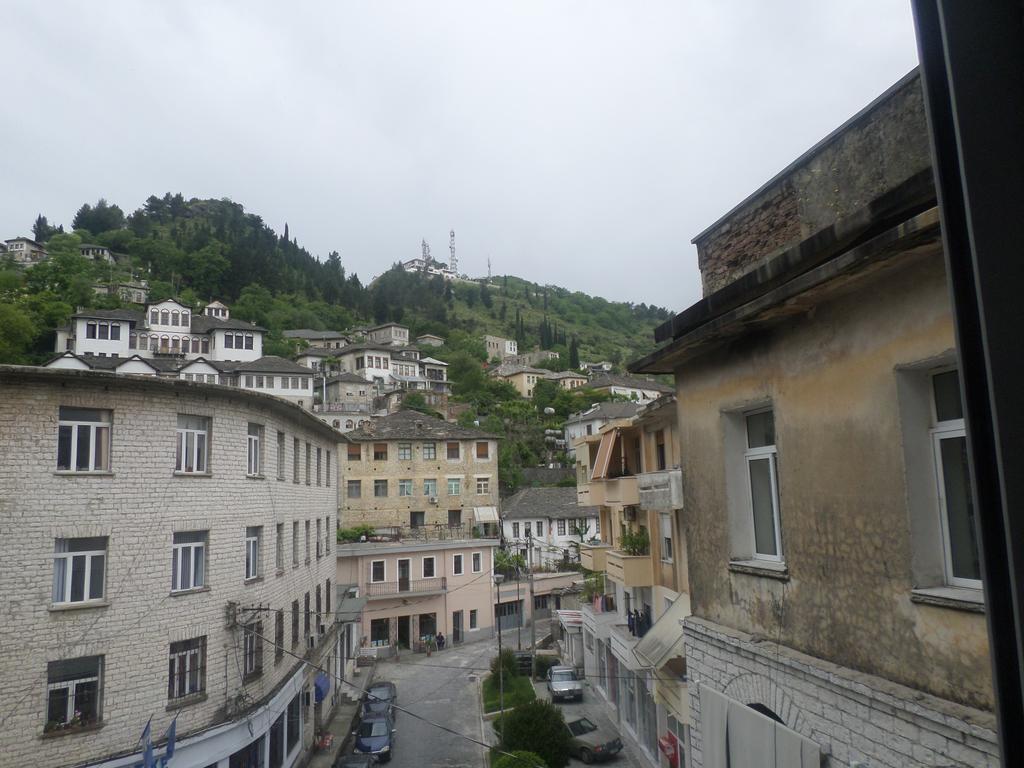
{"points": [[501, 667]]}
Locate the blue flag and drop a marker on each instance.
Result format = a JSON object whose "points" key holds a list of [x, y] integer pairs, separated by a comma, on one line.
{"points": [[147, 746], [171, 733]]}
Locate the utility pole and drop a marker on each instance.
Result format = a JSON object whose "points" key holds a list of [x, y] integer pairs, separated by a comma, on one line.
{"points": [[533, 629], [519, 608], [498, 578]]}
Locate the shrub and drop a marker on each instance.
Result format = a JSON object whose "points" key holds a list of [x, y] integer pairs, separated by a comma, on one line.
{"points": [[538, 727], [354, 534], [541, 665], [519, 759], [505, 660], [518, 690]]}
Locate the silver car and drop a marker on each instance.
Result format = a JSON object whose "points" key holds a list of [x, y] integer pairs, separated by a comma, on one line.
{"points": [[590, 743], [563, 684]]}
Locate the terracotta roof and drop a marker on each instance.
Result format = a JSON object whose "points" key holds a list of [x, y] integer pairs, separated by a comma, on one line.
{"points": [[545, 502], [413, 425]]}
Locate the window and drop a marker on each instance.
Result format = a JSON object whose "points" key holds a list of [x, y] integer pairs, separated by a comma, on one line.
{"points": [[329, 534], [952, 476], [453, 451], [255, 439], [527, 530], [483, 485], [79, 568], [83, 440], [355, 452], [405, 451], [561, 527], [319, 465], [295, 623], [295, 544], [104, 330], [308, 541], [761, 461], [540, 528], [229, 341], [327, 597], [280, 455], [377, 571], [74, 691], [405, 487], [252, 649], [188, 560], [296, 447], [319, 540], [417, 519], [186, 675], [457, 565], [515, 530], [354, 489], [454, 486], [165, 317], [666, 537], [380, 451], [430, 486], [483, 449], [380, 488], [659, 449], [472, 618], [305, 620], [309, 465], [279, 547], [193, 444], [252, 551], [428, 567], [328, 467], [154, 317], [319, 606], [429, 451]]}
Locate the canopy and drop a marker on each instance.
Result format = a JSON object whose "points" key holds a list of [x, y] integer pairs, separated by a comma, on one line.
{"points": [[570, 619], [322, 684], [604, 454], [348, 608], [485, 514], [664, 640]]}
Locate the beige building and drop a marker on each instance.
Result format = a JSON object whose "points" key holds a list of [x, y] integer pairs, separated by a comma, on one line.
{"points": [[410, 470], [499, 348], [168, 552], [568, 379], [417, 588], [523, 378], [390, 334], [632, 643], [833, 559], [25, 252]]}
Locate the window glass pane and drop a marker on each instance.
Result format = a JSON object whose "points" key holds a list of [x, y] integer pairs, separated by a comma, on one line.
{"points": [[82, 448], [963, 544], [57, 706], [197, 575], [101, 459], [191, 422], [761, 429], [64, 447], [78, 578], [96, 577], [948, 405], [82, 414], [201, 452], [761, 499], [186, 568]]}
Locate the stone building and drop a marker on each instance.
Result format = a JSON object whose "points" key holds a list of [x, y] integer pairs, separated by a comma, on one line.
{"points": [[588, 422], [546, 525], [409, 470], [837, 604], [168, 553], [499, 348]]}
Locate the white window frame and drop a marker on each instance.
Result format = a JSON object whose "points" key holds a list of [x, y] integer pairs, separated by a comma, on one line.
{"points": [[458, 565], [458, 486], [430, 486], [473, 623], [252, 661], [103, 422], [185, 463], [185, 663], [483, 485], [63, 572], [72, 685], [252, 552], [433, 567], [751, 455], [192, 552], [279, 550], [383, 571], [254, 439], [477, 561], [561, 526], [430, 451], [405, 451], [295, 543], [405, 487]]}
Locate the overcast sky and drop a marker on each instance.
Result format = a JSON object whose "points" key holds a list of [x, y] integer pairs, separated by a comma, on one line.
{"points": [[577, 143]]}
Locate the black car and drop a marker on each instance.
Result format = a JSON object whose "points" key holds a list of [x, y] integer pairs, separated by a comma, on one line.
{"points": [[375, 736], [354, 761], [524, 661], [381, 697]]}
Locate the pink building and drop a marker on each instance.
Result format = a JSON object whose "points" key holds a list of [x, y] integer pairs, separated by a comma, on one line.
{"points": [[415, 589]]}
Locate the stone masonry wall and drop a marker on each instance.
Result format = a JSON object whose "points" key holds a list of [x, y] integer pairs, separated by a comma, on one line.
{"points": [[853, 716], [138, 505]]}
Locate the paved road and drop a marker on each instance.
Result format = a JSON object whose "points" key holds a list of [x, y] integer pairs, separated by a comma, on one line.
{"points": [[442, 689]]}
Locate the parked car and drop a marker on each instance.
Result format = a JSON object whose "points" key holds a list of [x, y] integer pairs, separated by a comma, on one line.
{"points": [[590, 743], [354, 761], [375, 736], [381, 697], [564, 684]]}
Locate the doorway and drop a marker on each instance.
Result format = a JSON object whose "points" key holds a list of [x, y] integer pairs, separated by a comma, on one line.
{"points": [[456, 627], [403, 575], [403, 631]]}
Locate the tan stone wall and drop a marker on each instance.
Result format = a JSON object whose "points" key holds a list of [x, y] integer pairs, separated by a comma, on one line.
{"points": [[394, 509], [831, 377], [138, 506]]}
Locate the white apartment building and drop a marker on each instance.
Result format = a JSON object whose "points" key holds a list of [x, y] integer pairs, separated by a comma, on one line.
{"points": [[546, 525], [500, 348], [173, 559]]}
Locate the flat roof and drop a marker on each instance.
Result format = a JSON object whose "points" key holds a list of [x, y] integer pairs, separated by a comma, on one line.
{"points": [[359, 548]]}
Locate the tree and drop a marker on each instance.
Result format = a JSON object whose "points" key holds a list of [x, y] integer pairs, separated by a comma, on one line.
{"points": [[16, 334], [538, 727], [519, 759], [574, 354], [41, 230], [101, 218]]}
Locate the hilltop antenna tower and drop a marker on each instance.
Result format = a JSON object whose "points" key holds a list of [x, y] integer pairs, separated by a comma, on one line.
{"points": [[425, 247], [488, 269], [451, 247]]}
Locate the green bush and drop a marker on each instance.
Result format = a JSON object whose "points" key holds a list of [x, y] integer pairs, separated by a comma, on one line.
{"points": [[541, 665], [538, 727], [518, 690], [354, 534], [519, 759], [505, 660]]}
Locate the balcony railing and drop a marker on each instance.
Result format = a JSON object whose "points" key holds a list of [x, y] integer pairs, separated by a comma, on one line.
{"points": [[593, 556], [406, 586], [614, 491], [661, 490], [341, 408], [629, 570]]}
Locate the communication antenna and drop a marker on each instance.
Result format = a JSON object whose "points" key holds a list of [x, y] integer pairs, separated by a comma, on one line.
{"points": [[425, 246], [451, 247], [488, 269]]}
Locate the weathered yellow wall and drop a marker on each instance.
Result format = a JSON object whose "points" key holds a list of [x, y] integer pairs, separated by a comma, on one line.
{"points": [[830, 376]]}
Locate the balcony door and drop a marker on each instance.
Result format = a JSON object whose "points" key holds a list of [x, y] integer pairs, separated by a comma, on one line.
{"points": [[456, 627], [403, 575]]}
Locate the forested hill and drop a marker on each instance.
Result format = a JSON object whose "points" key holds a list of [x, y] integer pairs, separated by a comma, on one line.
{"points": [[197, 250]]}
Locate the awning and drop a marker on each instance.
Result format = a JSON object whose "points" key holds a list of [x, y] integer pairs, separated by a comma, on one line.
{"points": [[485, 514], [664, 640], [322, 684], [348, 608], [604, 455], [570, 619]]}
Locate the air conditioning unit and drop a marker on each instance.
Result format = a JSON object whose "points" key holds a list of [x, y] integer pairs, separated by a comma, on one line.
{"points": [[311, 642], [433, 499], [629, 514]]}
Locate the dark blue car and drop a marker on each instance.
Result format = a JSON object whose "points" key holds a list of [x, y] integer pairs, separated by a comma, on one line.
{"points": [[381, 697], [375, 736]]}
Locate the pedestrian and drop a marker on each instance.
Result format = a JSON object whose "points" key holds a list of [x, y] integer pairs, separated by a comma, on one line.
{"points": [[440, 641]]}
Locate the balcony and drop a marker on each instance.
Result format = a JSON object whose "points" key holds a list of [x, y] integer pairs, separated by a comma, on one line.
{"points": [[384, 589], [615, 491], [661, 490], [629, 570], [592, 556], [598, 623], [583, 497]]}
